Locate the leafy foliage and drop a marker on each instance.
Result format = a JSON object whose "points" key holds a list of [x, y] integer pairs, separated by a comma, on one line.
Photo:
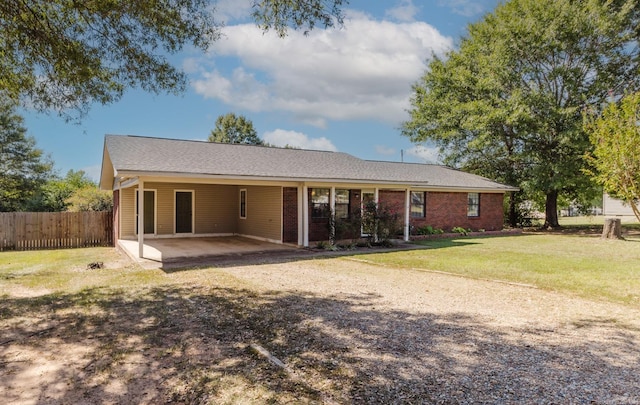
{"points": [[299, 14], [23, 167], [64, 55], [232, 128], [90, 198], [616, 150], [508, 104], [381, 222], [428, 230], [53, 195]]}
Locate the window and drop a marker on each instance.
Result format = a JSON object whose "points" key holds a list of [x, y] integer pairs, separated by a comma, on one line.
{"points": [[418, 204], [320, 202], [342, 204], [243, 204], [473, 207]]}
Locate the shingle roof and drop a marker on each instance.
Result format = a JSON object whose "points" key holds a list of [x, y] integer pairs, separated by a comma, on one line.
{"points": [[130, 154]]}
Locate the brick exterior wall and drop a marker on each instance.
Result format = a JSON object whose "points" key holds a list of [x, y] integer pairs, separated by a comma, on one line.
{"points": [[444, 210], [289, 215], [448, 210]]}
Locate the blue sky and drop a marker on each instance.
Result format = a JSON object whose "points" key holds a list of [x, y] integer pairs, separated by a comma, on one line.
{"points": [[342, 89]]}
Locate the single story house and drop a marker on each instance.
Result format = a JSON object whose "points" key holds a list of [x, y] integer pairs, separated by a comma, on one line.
{"points": [[615, 208], [179, 188]]}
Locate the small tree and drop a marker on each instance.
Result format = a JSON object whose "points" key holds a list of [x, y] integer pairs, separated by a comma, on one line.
{"points": [[54, 194], [231, 128], [90, 198], [615, 136], [380, 221]]}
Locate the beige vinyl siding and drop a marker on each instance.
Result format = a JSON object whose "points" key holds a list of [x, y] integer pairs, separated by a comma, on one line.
{"points": [[264, 212], [164, 207], [216, 209], [127, 213]]}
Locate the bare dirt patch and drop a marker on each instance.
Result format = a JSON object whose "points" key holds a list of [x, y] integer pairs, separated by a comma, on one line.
{"points": [[348, 332]]}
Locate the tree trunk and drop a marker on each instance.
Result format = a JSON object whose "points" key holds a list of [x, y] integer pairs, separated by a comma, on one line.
{"points": [[513, 213], [551, 210], [612, 229]]}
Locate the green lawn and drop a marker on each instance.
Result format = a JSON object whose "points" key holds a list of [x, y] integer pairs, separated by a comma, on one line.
{"points": [[582, 265]]}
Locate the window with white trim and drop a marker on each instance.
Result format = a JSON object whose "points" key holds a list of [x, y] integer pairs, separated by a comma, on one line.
{"points": [[320, 202], [473, 205], [418, 204], [342, 204]]}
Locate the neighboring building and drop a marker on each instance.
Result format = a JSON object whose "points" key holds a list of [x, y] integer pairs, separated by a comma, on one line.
{"points": [[613, 207], [195, 188]]}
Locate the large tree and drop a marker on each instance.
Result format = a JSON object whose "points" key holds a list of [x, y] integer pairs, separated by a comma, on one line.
{"points": [[232, 128], [23, 167], [508, 103], [63, 55], [616, 150]]}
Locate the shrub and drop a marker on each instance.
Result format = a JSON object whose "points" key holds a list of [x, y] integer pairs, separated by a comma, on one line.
{"points": [[380, 221], [429, 230], [460, 230]]}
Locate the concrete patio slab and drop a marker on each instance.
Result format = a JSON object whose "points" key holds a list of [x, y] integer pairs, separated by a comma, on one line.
{"points": [[172, 249]]}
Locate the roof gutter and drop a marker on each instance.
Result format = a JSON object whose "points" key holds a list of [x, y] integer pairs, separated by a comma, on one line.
{"points": [[130, 178]]}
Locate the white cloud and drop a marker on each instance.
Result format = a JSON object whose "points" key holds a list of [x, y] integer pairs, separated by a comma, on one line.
{"points": [[281, 137], [405, 11], [385, 150], [427, 154], [467, 8], [364, 71]]}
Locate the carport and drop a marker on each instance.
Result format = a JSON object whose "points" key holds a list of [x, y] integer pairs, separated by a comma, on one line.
{"points": [[171, 249]]}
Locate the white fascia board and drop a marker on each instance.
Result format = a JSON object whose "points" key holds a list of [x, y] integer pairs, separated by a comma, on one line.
{"points": [[165, 177], [130, 182]]}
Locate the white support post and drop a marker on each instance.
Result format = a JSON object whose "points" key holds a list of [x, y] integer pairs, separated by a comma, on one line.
{"points": [[407, 214], [375, 195], [141, 218], [305, 216], [332, 213], [300, 215]]}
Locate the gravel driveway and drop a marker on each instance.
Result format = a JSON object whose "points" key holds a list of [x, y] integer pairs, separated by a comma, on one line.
{"points": [[424, 337], [346, 330]]}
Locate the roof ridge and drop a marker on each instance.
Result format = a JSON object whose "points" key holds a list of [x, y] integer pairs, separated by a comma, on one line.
{"points": [[227, 144]]}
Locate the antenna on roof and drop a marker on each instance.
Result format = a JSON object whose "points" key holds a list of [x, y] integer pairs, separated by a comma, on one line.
{"points": [[402, 155]]}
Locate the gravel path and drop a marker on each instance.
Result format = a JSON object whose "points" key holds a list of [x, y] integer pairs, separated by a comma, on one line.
{"points": [[416, 336]]}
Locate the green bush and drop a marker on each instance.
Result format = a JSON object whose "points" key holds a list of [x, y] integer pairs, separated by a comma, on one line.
{"points": [[461, 230], [429, 230]]}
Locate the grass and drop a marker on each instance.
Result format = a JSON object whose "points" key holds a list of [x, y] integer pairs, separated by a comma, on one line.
{"points": [[572, 263], [582, 265]]}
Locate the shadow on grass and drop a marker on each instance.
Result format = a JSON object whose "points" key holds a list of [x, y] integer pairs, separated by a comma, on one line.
{"points": [[190, 345]]}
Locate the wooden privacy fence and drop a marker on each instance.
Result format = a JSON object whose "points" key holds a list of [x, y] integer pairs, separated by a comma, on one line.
{"points": [[55, 230]]}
